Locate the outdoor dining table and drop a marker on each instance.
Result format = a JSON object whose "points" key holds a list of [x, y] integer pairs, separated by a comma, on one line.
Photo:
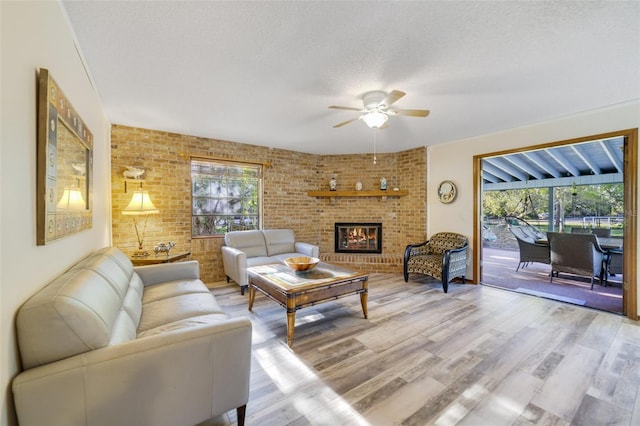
{"points": [[607, 243]]}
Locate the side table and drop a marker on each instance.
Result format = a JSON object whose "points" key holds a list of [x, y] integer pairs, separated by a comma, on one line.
{"points": [[152, 259]]}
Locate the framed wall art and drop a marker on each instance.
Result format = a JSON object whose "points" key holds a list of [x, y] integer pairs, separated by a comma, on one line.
{"points": [[64, 165], [447, 192]]}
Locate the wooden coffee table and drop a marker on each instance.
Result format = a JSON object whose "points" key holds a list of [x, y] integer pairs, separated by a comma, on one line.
{"points": [[296, 290]]}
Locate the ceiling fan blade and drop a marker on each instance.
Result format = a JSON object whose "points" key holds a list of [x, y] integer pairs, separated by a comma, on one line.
{"points": [[391, 98], [346, 108], [410, 112], [344, 123]]}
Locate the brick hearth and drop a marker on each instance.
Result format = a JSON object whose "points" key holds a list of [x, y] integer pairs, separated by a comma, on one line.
{"points": [[366, 262]]}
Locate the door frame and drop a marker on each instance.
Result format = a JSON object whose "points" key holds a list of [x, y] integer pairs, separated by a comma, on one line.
{"points": [[630, 238]]}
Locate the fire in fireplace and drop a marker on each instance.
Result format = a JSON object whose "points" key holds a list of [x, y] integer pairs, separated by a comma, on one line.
{"points": [[358, 238]]}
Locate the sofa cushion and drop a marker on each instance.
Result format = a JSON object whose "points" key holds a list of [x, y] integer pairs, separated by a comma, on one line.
{"points": [[73, 314], [123, 329], [172, 289], [250, 242], [258, 261], [165, 311], [113, 265], [186, 323], [279, 241]]}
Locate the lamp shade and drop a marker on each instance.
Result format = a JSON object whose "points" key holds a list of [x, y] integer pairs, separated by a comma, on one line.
{"points": [[140, 204], [71, 200], [375, 119]]}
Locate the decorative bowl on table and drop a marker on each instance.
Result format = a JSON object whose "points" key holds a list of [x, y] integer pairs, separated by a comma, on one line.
{"points": [[301, 263]]}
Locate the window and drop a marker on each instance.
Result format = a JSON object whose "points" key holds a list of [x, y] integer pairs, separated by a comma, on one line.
{"points": [[224, 197]]}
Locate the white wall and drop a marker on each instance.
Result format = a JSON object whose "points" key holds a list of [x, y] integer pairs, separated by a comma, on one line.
{"points": [[454, 161], [37, 35]]}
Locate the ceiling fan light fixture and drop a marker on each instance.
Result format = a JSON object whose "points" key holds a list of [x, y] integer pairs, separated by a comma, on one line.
{"points": [[375, 119]]}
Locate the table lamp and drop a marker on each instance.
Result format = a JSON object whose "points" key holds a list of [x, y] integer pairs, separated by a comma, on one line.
{"points": [[140, 205], [71, 200]]}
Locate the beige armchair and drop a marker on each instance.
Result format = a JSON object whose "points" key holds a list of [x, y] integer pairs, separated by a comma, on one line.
{"points": [[578, 254], [443, 257]]}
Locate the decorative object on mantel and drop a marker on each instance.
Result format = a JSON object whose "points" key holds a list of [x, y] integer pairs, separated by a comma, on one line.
{"points": [[164, 248], [447, 192], [364, 193], [133, 173], [333, 183], [358, 186], [383, 184], [64, 178], [140, 205]]}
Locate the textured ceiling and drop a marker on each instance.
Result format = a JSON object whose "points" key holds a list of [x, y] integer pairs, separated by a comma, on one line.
{"points": [[264, 73]]}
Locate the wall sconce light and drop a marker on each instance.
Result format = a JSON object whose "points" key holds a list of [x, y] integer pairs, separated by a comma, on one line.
{"points": [[140, 205]]}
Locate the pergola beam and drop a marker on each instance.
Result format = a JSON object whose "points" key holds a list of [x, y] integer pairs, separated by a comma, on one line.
{"points": [[507, 167], [564, 162], [585, 157], [616, 160], [542, 163], [498, 172], [555, 182]]}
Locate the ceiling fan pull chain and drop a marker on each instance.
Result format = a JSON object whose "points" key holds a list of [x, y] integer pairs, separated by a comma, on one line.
{"points": [[374, 145]]}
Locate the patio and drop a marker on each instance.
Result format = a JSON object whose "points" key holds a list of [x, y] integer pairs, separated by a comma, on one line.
{"points": [[499, 270]]}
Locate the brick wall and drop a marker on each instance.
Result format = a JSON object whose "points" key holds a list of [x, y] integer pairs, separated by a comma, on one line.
{"points": [[165, 157]]}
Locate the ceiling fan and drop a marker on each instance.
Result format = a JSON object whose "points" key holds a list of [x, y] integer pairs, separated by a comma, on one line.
{"points": [[376, 110]]}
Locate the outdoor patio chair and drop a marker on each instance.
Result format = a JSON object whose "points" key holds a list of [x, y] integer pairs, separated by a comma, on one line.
{"points": [[580, 230], [526, 228], [578, 254], [615, 261], [530, 251], [443, 257], [602, 232]]}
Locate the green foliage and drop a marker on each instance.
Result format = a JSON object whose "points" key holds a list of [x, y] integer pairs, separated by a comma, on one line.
{"points": [[577, 201], [526, 204]]}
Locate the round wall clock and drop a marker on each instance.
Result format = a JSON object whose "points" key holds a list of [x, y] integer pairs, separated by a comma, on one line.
{"points": [[447, 191]]}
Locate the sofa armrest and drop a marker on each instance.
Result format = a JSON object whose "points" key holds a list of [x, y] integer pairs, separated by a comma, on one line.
{"points": [[179, 377], [307, 249], [161, 273], [235, 265]]}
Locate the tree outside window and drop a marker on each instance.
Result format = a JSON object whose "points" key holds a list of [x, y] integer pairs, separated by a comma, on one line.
{"points": [[224, 197]]}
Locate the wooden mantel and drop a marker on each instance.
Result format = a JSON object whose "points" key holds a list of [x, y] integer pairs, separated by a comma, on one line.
{"points": [[354, 193]]}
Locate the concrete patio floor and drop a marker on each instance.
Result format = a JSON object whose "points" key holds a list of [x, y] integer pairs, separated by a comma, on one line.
{"points": [[499, 270]]}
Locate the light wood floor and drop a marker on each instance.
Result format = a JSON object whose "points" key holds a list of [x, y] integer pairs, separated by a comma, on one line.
{"points": [[475, 356]]}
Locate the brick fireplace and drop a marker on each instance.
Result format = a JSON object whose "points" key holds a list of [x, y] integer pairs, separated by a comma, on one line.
{"points": [[358, 237]]}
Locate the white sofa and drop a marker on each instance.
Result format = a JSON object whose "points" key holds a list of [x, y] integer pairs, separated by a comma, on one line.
{"points": [[109, 344], [244, 249]]}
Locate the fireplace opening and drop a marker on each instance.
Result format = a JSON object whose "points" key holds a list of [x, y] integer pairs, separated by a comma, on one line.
{"points": [[358, 238]]}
